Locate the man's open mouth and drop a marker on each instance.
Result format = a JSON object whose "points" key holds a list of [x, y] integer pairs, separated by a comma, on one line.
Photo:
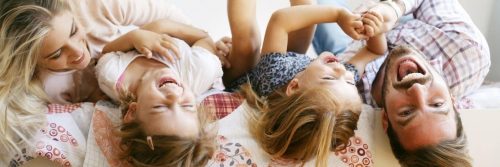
{"points": [[409, 69]]}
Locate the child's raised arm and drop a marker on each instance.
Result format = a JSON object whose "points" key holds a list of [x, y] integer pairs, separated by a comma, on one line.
{"points": [[376, 45], [245, 33], [156, 37], [285, 21]]}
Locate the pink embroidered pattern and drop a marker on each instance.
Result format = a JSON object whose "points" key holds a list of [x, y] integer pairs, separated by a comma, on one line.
{"points": [[108, 143], [59, 133], [56, 133], [52, 153], [356, 154]]}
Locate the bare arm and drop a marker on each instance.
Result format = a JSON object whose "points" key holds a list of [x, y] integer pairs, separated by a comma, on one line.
{"points": [[245, 38], [285, 21], [155, 37], [299, 41], [375, 27], [191, 35], [376, 45]]}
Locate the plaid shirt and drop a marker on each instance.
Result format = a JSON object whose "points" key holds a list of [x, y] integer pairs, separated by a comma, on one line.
{"points": [[448, 38]]}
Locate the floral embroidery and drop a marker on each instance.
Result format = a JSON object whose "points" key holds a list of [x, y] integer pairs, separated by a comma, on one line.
{"points": [[230, 154]]}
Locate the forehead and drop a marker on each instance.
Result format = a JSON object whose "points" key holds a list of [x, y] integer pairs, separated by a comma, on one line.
{"points": [[424, 132], [59, 33]]}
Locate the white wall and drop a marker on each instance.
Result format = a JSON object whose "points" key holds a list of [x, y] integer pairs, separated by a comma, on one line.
{"points": [[485, 15], [494, 41], [480, 11], [211, 15]]}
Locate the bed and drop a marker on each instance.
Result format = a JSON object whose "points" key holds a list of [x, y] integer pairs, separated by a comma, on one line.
{"points": [[477, 122]]}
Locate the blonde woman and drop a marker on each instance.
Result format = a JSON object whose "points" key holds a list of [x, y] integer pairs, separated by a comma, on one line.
{"points": [[46, 47]]}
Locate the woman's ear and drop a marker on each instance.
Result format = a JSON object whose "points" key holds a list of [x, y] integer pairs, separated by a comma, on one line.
{"points": [[130, 115], [385, 120], [292, 87]]}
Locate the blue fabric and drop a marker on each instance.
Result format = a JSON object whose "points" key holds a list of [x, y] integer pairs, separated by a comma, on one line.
{"points": [[329, 36], [273, 71]]}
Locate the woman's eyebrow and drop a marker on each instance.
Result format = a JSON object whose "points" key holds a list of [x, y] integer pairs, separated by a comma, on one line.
{"points": [[72, 28]]}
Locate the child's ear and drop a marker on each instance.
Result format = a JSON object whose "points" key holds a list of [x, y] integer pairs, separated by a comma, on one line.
{"points": [[385, 120], [130, 115], [292, 87]]}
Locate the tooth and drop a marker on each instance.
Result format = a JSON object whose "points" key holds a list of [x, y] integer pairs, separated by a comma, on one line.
{"points": [[412, 76]]}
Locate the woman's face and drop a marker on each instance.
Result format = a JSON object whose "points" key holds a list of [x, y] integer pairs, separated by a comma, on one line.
{"points": [[65, 47]]}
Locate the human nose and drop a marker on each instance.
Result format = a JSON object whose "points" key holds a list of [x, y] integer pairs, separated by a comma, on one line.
{"points": [[418, 92], [340, 70], [75, 48], [172, 98]]}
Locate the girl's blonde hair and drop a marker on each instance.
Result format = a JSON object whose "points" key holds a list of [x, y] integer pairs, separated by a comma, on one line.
{"points": [[304, 125], [24, 24], [168, 150]]}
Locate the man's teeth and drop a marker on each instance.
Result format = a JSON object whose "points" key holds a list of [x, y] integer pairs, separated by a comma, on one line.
{"points": [[412, 76]]}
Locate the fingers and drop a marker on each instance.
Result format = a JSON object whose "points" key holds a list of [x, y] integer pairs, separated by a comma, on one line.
{"points": [[172, 47], [358, 32], [226, 40], [372, 16], [167, 42], [145, 51], [369, 31], [355, 35], [222, 47], [373, 23], [225, 62], [369, 27], [162, 50], [379, 16]]}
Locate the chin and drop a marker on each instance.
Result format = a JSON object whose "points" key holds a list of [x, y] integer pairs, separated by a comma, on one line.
{"points": [[84, 64]]}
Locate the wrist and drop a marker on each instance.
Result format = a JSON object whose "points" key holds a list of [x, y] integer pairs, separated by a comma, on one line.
{"points": [[132, 36], [341, 14]]}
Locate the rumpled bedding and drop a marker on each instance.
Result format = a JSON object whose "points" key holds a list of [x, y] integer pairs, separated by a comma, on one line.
{"points": [[104, 149]]}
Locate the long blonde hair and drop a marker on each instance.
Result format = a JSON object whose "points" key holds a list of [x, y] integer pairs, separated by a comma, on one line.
{"points": [[24, 24], [304, 125]]}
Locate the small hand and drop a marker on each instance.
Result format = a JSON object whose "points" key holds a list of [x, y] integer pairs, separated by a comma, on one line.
{"points": [[373, 23], [386, 11], [147, 42], [352, 25], [223, 50]]}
